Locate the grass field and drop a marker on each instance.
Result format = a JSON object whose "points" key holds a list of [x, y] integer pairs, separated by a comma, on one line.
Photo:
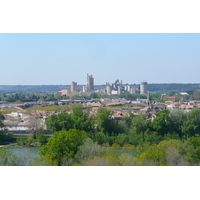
{"points": [[57, 108]]}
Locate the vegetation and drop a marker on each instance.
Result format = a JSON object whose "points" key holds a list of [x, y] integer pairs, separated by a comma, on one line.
{"points": [[62, 147], [51, 108], [172, 138], [7, 158], [7, 111], [6, 138]]}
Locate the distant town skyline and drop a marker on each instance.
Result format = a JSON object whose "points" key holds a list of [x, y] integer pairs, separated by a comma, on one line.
{"points": [[59, 59]]}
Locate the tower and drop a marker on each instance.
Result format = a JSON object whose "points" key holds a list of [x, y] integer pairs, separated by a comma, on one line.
{"points": [[90, 83], [148, 102], [74, 87], [143, 87]]}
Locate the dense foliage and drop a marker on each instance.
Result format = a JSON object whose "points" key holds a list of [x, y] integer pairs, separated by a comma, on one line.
{"points": [[172, 138], [62, 147], [135, 130]]}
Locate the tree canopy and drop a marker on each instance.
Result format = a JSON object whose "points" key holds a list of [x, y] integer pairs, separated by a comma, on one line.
{"points": [[64, 121], [63, 146]]}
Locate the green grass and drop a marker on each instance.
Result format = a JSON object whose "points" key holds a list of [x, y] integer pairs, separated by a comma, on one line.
{"points": [[57, 108], [51, 108], [116, 106], [4, 112]]}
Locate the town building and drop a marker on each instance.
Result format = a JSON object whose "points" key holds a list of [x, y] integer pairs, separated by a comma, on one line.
{"points": [[64, 92]]}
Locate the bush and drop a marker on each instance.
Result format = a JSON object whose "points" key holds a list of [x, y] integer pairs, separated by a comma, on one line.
{"points": [[88, 148], [6, 138], [41, 137], [115, 145], [7, 158]]}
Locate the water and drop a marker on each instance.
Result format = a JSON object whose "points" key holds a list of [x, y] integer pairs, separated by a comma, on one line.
{"points": [[31, 150], [29, 153]]}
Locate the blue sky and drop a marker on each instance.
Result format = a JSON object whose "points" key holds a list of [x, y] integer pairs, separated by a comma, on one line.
{"points": [[36, 59]]}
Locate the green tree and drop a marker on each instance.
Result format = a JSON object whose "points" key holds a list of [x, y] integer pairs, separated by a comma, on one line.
{"points": [[6, 137], [190, 149], [164, 153], [138, 130], [103, 121], [195, 141], [139, 124], [162, 123], [59, 122], [171, 93], [197, 95], [63, 146], [1, 124], [121, 139], [41, 137], [94, 95], [191, 126], [153, 156], [128, 119], [177, 119], [88, 148], [80, 119]]}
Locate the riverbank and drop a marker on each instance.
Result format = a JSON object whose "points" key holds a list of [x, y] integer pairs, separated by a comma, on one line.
{"points": [[34, 144]]}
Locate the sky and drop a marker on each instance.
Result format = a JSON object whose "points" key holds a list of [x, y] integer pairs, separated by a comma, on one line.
{"points": [[60, 58]]}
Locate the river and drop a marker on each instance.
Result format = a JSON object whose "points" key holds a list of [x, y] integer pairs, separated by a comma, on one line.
{"points": [[32, 152], [29, 153]]}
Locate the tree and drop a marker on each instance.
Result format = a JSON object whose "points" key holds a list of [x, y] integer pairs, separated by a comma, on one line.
{"points": [[88, 148], [63, 146], [41, 137], [121, 139], [195, 156], [162, 123], [164, 153], [177, 119], [190, 149], [197, 95], [1, 124], [171, 93], [173, 156], [36, 125], [139, 129], [80, 119], [59, 122], [103, 121], [139, 124], [191, 126], [94, 95], [128, 119]]}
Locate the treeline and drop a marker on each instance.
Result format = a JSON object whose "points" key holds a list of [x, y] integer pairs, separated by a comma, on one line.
{"points": [[177, 87], [32, 88], [172, 138], [53, 96], [153, 87], [30, 96], [102, 128]]}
